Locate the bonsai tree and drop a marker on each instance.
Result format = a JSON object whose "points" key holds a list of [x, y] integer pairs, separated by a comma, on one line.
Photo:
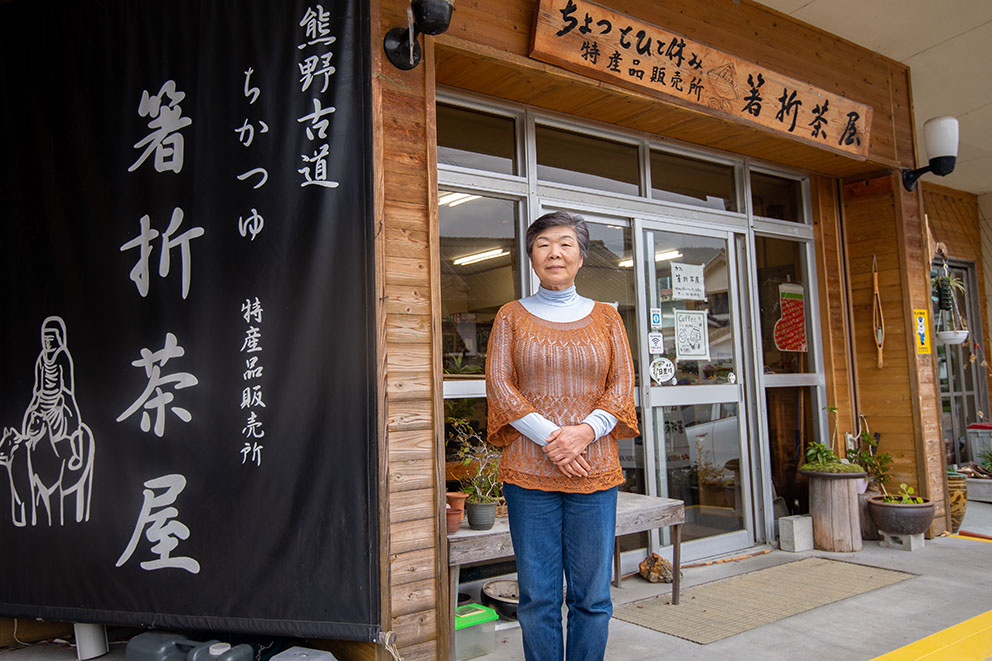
{"points": [[482, 459], [821, 458], [875, 463]]}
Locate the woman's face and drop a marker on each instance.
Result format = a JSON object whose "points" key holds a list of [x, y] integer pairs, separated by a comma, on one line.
{"points": [[556, 257]]}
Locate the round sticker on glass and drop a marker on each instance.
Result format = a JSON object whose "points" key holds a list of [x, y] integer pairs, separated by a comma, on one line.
{"points": [[662, 370], [732, 378]]}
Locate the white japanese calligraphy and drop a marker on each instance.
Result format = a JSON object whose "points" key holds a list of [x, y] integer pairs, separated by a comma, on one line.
{"points": [[252, 310], [252, 396], [246, 133], [316, 25], [167, 120], [255, 450], [251, 173], [252, 369], [153, 398], [139, 273], [253, 428], [319, 176], [318, 120], [313, 66], [252, 338], [164, 530]]}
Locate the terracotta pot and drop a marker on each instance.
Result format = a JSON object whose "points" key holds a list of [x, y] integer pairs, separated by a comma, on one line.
{"points": [[900, 518], [957, 491], [456, 499], [453, 519]]}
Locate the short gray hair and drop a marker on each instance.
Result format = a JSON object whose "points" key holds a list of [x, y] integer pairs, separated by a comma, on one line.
{"points": [[559, 219]]}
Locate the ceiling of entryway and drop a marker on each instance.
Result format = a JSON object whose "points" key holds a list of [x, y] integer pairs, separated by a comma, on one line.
{"points": [[948, 46]]}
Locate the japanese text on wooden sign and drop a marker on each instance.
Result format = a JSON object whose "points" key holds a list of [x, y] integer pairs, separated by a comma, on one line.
{"points": [[593, 40]]}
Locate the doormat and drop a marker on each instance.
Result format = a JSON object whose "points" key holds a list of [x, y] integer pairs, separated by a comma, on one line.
{"points": [[713, 611]]}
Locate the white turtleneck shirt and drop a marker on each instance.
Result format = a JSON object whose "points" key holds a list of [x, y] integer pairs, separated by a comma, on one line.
{"points": [[559, 306]]}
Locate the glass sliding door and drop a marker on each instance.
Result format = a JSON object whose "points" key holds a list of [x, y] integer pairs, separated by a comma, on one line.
{"points": [[691, 383]]}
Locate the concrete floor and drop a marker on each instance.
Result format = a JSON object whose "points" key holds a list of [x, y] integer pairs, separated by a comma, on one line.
{"points": [[953, 583]]}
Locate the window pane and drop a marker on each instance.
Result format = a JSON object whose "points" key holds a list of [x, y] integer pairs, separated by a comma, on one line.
{"points": [[691, 181], [472, 139], [701, 465], [478, 274], [696, 324], [791, 425], [776, 197], [783, 298], [581, 160]]}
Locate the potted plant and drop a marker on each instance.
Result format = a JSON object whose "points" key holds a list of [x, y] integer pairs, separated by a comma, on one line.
{"points": [[833, 498], [902, 513], [866, 455], [482, 481], [951, 326]]}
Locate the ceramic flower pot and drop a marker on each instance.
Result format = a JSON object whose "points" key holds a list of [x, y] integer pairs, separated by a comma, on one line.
{"points": [[900, 518], [453, 519], [952, 336], [456, 500], [481, 516], [957, 490]]}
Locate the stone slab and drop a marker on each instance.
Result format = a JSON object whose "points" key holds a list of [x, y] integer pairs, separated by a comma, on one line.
{"points": [[795, 533]]}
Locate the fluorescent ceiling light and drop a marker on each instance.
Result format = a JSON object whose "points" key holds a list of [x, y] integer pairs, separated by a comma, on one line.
{"points": [[663, 256], [481, 256], [463, 200], [451, 197]]}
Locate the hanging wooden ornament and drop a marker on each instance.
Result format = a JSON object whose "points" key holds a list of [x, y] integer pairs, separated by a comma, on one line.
{"points": [[878, 319]]}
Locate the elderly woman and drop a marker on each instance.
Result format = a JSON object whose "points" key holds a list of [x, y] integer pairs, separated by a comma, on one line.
{"points": [[560, 381]]}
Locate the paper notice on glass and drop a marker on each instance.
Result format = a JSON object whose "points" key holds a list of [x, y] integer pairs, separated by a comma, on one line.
{"points": [[656, 343], [687, 282], [692, 340]]}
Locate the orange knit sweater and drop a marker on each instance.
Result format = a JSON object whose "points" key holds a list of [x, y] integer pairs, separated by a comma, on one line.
{"points": [[563, 370]]}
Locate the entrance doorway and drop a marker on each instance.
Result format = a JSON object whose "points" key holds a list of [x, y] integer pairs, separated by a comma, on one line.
{"points": [[691, 379]]}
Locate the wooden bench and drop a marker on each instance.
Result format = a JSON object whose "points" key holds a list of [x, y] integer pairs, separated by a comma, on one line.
{"points": [[635, 513]]}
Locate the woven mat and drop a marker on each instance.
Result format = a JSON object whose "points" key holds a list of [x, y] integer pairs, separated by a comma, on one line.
{"points": [[713, 611]]}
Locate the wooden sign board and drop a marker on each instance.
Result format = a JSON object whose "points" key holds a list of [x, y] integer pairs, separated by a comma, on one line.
{"points": [[592, 40]]}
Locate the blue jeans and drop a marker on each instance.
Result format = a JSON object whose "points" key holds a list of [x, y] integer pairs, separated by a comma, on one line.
{"points": [[555, 533]]}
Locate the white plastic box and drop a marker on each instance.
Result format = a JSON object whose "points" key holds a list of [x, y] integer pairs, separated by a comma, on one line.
{"points": [[979, 440], [475, 631]]}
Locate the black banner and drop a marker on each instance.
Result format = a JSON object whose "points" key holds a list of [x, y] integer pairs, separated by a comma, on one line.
{"points": [[186, 353]]}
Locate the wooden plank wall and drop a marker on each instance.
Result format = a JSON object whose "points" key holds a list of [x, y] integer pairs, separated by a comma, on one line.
{"points": [[954, 219], [834, 313], [486, 48], [985, 225], [414, 558], [900, 399]]}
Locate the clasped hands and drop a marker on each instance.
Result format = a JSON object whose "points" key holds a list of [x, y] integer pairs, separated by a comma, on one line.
{"points": [[566, 447]]}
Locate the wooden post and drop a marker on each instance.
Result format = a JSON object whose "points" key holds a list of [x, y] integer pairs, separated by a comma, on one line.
{"points": [[833, 503], [868, 529]]}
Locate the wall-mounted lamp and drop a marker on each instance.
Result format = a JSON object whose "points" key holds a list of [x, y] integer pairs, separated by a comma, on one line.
{"points": [[423, 17], [940, 136]]}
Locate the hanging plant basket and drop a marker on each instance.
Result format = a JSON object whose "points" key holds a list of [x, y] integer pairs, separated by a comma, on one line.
{"points": [[952, 336]]}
